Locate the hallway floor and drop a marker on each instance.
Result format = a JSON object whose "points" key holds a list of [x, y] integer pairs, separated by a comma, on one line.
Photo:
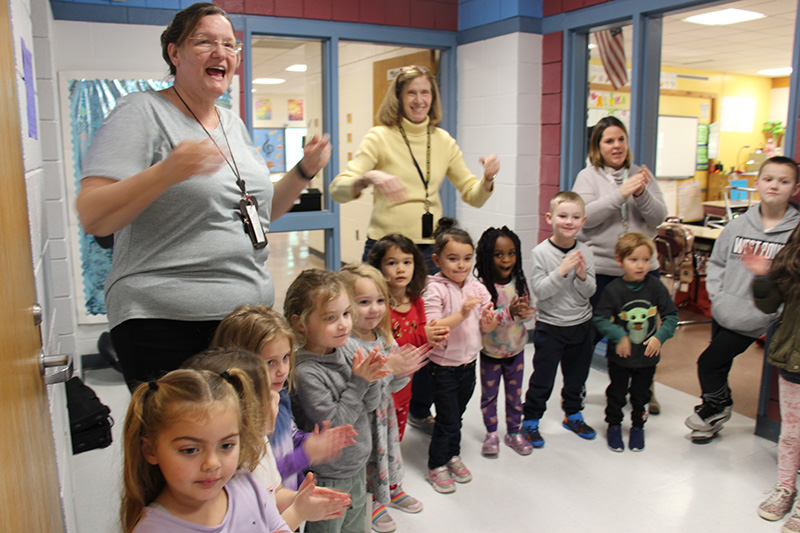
{"points": [[569, 485]]}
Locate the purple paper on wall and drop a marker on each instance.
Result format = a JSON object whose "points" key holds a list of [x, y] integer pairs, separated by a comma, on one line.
{"points": [[27, 69]]}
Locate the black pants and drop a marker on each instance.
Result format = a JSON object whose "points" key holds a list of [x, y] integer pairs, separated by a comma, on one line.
{"points": [[452, 389], [625, 380], [714, 364], [148, 348], [575, 359]]}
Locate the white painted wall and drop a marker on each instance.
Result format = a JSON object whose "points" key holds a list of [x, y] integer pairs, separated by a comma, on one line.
{"points": [[499, 111], [32, 22]]}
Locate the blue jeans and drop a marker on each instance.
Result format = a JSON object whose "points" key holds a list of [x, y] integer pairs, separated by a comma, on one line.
{"points": [[452, 388]]}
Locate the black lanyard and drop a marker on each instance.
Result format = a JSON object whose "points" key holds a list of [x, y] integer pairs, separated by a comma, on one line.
{"points": [[419, 170], [234, 168]]}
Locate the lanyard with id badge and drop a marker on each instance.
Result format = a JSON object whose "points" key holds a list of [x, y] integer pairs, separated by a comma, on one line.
{"points": [[427, 216], [248, 205]]}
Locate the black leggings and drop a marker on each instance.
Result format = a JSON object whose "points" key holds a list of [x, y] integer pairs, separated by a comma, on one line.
{"points": [[714, 364], [148, 348]]}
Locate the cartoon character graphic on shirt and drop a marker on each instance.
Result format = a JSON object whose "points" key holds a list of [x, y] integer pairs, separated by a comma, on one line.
{"points": [[638, 316]]}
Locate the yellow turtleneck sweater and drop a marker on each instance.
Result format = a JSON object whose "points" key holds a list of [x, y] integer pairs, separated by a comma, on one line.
{"points": [[383, 149]]}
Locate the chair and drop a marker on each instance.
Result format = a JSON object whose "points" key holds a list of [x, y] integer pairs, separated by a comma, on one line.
{"points": [[734, 198], [675, 247]]}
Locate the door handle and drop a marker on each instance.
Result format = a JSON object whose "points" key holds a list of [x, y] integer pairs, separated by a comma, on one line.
{"points": [[61, 362]]}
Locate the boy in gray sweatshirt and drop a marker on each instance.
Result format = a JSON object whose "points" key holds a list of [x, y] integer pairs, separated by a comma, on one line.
{"points": [[562, 282], [736, 321]]}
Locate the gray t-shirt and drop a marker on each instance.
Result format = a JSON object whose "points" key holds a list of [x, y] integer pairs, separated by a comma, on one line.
{"points": [[187, 256]]}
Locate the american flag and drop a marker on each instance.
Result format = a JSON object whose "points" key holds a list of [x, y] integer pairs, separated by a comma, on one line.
{"points": [[611, 44]]}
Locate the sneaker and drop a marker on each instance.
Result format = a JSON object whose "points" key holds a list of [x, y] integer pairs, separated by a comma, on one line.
{"points": [[423, 424], [518, 443], [491, 445], [707, 417], [441, 480], [404, 502], [793, 524], [777, 504], [576, 424], [614, 438], [654, 407], [636, 439], [381, 521], [530, 430], [457, 469]]}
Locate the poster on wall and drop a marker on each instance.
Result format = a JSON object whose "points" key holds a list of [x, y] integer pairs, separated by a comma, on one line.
{"points": [[295, 109], [263, 109], [272, 147]]}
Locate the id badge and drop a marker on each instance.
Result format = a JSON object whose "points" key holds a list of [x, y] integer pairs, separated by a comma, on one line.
{"points": [[427, 225], [248, 210]]}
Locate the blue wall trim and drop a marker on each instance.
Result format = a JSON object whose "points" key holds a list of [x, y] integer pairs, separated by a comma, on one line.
{"points": [[501, 27], [111, 13]]}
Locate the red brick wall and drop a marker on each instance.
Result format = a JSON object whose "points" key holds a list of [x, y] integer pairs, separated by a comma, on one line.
{"points": [[428, 14], [552, 61]]}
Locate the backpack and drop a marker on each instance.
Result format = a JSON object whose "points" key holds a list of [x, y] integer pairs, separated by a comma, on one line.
{"points": [[90, 422]]}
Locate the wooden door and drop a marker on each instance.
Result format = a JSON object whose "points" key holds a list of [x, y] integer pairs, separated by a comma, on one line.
{"points": [[29, 495], [381, 78]]}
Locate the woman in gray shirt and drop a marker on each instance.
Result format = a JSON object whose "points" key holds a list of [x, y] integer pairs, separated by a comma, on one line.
{"points": [[189, 200]]}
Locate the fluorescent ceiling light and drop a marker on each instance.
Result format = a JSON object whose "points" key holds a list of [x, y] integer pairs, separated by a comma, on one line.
{"points": [[783, 71], [724, 16], [297, 68], [268, 81]]}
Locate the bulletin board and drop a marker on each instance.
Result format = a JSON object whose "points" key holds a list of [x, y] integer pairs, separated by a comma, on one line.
{"points": [[676, 152], [272, 147]]}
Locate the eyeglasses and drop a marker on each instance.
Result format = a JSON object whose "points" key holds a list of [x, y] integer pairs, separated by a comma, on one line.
{"points": [[205, 44]]}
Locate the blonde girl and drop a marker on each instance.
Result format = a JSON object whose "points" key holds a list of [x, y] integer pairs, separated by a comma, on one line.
{"points": [[259, 329], [372, 329], [337, 382], [403, 267], [191, 440], [309, 502]]}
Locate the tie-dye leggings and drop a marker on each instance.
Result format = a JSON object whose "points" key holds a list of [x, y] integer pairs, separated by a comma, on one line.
{"points": [[789, 442], [510, 369]]}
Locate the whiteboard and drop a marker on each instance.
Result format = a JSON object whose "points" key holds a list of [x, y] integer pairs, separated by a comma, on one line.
{"points": [[676, 147]]}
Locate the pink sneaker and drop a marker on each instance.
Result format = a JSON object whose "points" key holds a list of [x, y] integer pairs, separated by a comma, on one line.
{"points": [[518, 443], [441, 480], [491, 445], [458, 471]]}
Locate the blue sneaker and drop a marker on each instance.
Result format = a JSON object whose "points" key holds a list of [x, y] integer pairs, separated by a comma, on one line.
{"points": [[576, 424], [636, 440], [614, 437], [530, 430]]}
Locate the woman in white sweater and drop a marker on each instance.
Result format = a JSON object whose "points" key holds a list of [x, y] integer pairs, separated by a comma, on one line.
{"points": [[620, 197]]}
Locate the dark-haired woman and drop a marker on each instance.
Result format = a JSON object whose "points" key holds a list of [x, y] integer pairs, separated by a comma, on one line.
{"points": [[189, 200], [620, 197]]}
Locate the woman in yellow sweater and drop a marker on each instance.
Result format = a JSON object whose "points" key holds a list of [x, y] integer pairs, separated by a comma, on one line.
{"points": [[406, 159]]}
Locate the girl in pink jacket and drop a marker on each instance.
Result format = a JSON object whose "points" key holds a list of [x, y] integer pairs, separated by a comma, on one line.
{"points": [[457, 300]]}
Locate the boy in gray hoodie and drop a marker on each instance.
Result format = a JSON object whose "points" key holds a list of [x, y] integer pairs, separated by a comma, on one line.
{"points": [[736, 322]]}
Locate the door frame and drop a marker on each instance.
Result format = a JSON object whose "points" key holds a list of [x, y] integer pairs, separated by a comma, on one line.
{"points": [[330, 34]]}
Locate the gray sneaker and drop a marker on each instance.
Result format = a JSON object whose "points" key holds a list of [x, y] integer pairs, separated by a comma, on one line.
{"points": [[707, 417], [423, 424]]}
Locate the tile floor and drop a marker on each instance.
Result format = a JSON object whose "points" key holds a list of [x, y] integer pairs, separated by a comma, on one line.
{"points": [[569, 485]]}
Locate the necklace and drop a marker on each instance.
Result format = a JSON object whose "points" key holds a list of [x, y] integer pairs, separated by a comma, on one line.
{"points": [[248, 205], [234, 168]]}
